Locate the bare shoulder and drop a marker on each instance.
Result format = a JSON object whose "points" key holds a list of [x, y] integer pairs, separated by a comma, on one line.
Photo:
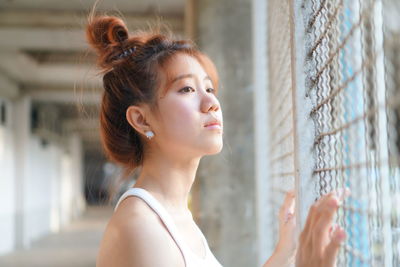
{"points": [[135, 236]]}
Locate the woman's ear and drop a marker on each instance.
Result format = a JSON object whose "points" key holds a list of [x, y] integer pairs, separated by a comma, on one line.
{"points": [[136, 116]]}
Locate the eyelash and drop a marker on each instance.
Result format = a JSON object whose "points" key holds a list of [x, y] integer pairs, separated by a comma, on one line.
{"points": [[182, 90]]}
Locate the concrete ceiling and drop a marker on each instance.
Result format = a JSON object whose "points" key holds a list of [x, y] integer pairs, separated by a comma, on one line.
{"points": [[124, 6], [43, 52]]}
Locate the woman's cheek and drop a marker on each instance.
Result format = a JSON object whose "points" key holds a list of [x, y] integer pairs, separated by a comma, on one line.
{"points": [[177, 120], [179, 114], [183, 112]]}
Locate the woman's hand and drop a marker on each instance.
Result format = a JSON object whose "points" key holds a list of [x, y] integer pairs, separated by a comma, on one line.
{"points": [[320, 240], [285, 250]]}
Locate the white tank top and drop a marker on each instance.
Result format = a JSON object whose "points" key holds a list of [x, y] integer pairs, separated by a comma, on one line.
{"points": [[190, 258]]}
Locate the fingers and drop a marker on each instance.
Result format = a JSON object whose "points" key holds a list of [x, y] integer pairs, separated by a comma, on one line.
{"points": [[333, 247], [304, 236], [327, 207], [332, 230], [326, 211], [320, 240], [289, 200], [315, 208], [287, 208], [290, 217]]}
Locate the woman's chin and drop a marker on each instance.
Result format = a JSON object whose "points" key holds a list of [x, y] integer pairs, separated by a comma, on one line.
{"points": [[215, 149]]}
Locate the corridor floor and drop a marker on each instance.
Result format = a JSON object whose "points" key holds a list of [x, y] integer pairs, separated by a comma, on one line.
{"points": [[74, 246]]}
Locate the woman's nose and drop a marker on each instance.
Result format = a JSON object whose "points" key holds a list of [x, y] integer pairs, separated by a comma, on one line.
{"points": [[210, 103]]}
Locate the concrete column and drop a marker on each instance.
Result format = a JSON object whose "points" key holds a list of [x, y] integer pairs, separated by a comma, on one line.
{"points": [[78, 199], [7, 167], [227, 180], [21, 127], [260, 77]]}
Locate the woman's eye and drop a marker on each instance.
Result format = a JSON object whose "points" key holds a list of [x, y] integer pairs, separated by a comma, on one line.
{"points": [[186, 89], [211, 90]]}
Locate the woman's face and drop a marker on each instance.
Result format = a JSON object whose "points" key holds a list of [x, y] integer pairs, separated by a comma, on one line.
{"points": [[190, 117]]}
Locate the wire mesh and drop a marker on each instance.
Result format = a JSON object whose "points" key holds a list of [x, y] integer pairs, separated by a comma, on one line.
{"points": [[352, 51], [350, 112], [391, 47], [281, 148]]}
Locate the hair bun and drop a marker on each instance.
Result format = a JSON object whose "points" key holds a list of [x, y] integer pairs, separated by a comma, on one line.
{"points": [[104, 34]]}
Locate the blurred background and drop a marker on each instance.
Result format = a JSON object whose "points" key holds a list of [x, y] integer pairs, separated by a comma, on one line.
{"points": [[311, 103]]}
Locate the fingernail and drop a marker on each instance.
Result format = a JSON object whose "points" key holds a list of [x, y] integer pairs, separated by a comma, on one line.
{"points": [[333, 203], [288, 217], [332, 230], [340, 235]]}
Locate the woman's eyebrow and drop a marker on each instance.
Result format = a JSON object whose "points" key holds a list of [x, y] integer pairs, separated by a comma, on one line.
{"points": [[189, 75]]}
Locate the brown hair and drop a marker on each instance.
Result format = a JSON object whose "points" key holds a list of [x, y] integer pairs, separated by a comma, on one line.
{"points": [[130, 65]]}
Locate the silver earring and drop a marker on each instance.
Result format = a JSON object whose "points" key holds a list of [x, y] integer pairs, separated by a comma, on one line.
{"points": [[149, 134]]}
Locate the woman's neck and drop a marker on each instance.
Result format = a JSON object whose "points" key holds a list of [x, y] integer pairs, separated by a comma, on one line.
{"points": [[169, 181]]}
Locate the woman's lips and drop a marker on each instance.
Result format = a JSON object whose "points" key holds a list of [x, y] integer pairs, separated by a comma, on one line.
{"points": [[214, 126]]}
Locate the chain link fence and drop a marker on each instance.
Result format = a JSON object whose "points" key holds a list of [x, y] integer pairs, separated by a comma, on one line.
{"points": [[281, 130], [344, 76]]}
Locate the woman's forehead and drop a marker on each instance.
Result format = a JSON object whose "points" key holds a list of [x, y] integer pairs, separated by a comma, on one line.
{"points": [[182, 67], [182, 64]]}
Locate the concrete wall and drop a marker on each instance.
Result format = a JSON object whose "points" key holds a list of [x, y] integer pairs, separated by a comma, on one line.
{"points": [[41, 185], [227, 180], [7, 173]]}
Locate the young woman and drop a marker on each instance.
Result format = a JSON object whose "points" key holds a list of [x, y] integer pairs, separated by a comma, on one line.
{"points": [[160, 112]]}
